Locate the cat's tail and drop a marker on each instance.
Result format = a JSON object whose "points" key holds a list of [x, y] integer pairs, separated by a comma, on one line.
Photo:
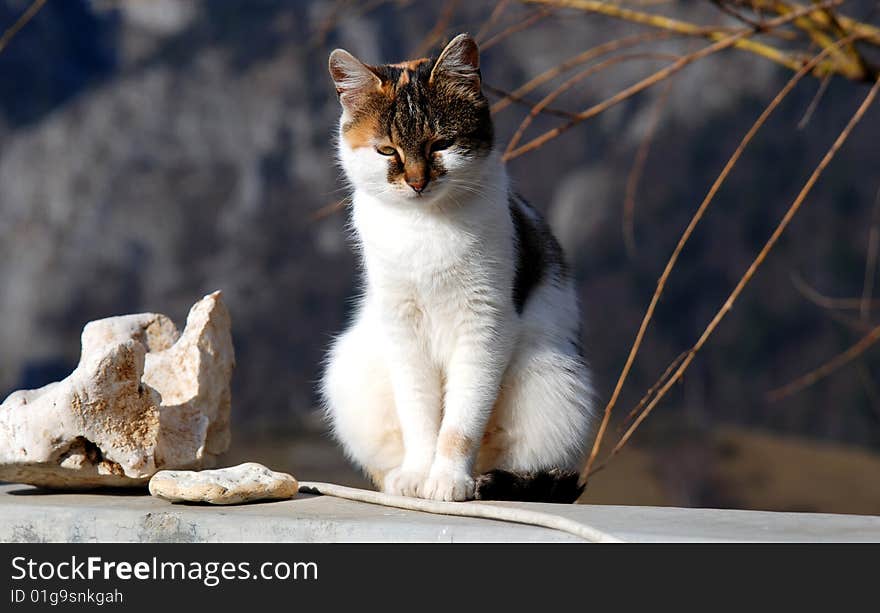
{"points": [[554, 485]]}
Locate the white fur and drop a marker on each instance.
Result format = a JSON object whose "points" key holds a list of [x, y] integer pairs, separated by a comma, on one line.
{"points": [[436, 346]]}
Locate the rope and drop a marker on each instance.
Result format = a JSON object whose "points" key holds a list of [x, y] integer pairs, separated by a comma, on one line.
{"points": [[462, 509]]}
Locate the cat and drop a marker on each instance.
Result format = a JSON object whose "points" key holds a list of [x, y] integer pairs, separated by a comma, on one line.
{"points": [[462, 374]]}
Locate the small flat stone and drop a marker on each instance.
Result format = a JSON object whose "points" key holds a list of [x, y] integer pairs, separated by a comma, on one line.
{"points": [[246, 482]]}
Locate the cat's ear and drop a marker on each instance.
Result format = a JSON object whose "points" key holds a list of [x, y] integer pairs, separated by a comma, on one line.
{"points": [[459, 63], [354, 80]]}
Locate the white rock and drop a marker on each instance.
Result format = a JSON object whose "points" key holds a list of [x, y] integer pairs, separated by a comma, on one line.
{"points": [[143, 397], [243, 483]]}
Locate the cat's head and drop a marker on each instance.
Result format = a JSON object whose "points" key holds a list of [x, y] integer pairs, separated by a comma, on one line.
{"points": [[413, 131]]}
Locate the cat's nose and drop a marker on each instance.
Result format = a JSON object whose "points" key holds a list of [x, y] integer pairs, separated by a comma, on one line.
{"points": [[418, 183]]}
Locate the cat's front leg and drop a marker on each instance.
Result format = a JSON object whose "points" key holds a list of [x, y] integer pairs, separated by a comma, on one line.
{"points": [[473, 377], [417, 398]]}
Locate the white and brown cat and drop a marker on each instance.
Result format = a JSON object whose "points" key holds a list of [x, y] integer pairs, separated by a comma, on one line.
{"points": [[461, 374]]}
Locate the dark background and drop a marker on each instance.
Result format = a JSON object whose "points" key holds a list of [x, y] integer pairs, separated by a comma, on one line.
{"points": [[151, 152]]}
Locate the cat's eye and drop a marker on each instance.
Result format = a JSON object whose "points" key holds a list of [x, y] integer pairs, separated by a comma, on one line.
{"points": [[440, 145], [386, 150]]}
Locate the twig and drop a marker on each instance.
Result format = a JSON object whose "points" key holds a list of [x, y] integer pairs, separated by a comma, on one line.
{"points": [[494, 16], [320, 36], [840, 32], [673, 259], [851, 67], [571, 82], [439, 28], [870, 386], [867, 291], [821, 300], [827, 368], [646, 83], [756, 263], [547, 110], [321, 33], [811, 108], [870, 261], [635, 173], [517, 27], [21, 22], [864, 31], [650, 393], [580, 58], [687, 28], [722, 6]]}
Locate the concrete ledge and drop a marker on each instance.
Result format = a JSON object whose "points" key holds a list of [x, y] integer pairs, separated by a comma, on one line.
{"points": [[31, 515]]}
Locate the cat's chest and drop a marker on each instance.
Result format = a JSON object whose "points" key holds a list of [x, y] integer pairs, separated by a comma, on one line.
{"points": [[432, 309], [422, 246], [432, 267]]}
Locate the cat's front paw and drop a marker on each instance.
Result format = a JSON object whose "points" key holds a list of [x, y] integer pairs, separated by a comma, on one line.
{"points": [[447, 485], [404, 482]]}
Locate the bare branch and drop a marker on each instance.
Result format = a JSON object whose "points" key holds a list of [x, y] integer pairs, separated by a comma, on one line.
{"points": [[547, 110], [494, 16], [577, 60], [647, 82], [673, 259], [21, 22], [816, 375], [823, 301], [439, 29], [691, 29], [756, 263], [517, 27], [638, 167], [814, 103], [870, 260], [571, 82]]}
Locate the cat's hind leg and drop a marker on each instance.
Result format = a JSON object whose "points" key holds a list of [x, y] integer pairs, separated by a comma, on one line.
{"points": [[536, 441], [359, 403]]}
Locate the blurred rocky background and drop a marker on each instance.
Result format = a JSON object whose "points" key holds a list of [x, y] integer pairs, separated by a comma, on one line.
{"points": [[152, 151]]}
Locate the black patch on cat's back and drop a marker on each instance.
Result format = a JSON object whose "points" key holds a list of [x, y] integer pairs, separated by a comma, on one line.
{"points": [[538, 255]]}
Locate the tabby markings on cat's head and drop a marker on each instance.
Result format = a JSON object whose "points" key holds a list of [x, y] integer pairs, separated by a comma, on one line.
{"points": [[414, 128]]}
